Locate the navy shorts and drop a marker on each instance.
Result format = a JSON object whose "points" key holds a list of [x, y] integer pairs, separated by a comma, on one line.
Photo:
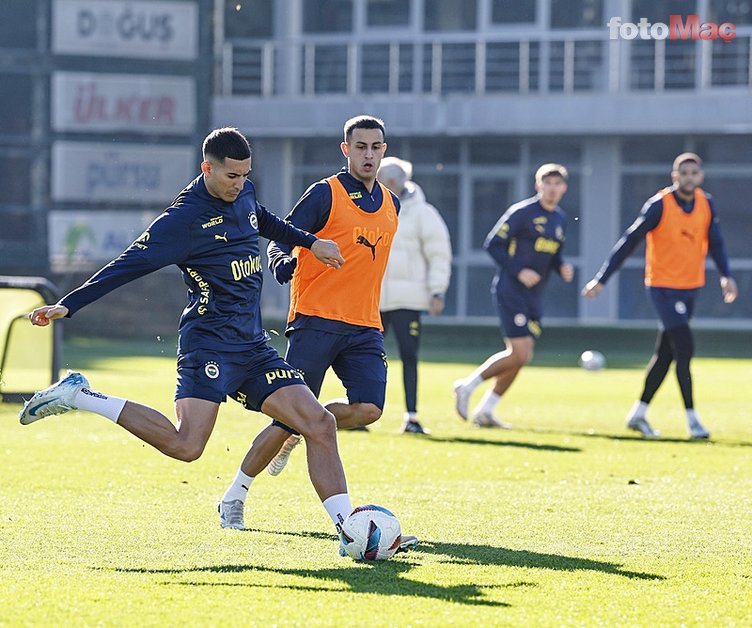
{"points": [[520, 315], [674, 307], [358, 359], [249, 377]]}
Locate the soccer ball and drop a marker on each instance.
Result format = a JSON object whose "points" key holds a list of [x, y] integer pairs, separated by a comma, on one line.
{"points": [[592, 360], [370, 532]]}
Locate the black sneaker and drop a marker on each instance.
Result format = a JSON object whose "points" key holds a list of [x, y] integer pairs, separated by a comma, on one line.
{"points": [[414, 427]]}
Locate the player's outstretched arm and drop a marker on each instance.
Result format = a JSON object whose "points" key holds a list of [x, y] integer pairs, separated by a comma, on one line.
{"points": [[327, 252], [729, 289], [43, 315], [592, 288]]}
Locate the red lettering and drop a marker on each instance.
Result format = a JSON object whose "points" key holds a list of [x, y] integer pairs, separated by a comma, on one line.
{"points": [[684, 30]]}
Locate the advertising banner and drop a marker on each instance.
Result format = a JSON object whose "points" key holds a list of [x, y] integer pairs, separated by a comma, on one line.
{"points": [[88, 102], [124, 173], [149, 29], [83, 238]]}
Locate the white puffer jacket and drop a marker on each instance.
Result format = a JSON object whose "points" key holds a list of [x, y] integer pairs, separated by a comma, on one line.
{"points": [[420, 262]]}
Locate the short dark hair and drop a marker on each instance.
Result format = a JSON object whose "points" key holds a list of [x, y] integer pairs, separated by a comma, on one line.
{"points": [[684, 158], [363, 122], [226, 142]]}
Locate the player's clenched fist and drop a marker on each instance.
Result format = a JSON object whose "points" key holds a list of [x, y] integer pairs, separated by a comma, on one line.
{"points": [[43, 315]]}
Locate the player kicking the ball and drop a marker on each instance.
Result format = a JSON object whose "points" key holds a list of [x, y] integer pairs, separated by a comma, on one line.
{"points": [[222, 347]]}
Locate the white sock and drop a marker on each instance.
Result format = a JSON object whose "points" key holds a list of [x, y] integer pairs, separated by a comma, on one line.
{"points": [[639, 410], [488, 403], [239, 488], [692, 416], [96, 402], [471, 382], [411, 416], [338, 506]]}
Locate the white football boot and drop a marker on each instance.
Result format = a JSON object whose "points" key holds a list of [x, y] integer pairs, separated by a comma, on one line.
{"points": [[56, 399], [231, 514], [280, 460]]}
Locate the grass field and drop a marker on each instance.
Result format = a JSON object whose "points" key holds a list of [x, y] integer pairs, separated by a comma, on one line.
{"points": [[566, 520]]}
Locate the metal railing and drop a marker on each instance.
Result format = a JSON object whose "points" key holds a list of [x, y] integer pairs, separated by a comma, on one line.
{"points": [[583, 61]]}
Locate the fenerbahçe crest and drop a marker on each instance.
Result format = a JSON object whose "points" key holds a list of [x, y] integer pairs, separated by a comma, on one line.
{"points": [[212, 370], [253, 220]]}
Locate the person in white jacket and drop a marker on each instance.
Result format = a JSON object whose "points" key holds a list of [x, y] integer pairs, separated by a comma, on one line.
{"points": [[417, 275]]}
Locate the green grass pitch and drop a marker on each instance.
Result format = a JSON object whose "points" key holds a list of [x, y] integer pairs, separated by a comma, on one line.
{"points": [[566, 520]]}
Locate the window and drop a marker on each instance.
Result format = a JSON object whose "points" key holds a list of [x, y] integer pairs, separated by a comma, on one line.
{"points": [[327, 16], [576, 14], [734, 11], [15, 112], [18, 28], [388, 13], [660, 10], [330, 69], [249, 18], [450, 15], [512, 11], [16, 179], [491, 198]]}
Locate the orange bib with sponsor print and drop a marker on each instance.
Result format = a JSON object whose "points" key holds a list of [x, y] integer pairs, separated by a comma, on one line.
{"points": [[350, 294], [677, 247]]}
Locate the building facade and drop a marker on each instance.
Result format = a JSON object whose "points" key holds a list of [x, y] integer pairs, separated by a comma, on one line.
{"points": [[477, 94]]}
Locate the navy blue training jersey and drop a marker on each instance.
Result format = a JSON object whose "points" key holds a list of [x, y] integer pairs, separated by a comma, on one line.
{"points": [[216, 246], [527, 236]]}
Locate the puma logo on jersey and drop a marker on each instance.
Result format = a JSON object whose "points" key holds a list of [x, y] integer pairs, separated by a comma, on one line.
{"points": [[364, 241], [223, 236]]}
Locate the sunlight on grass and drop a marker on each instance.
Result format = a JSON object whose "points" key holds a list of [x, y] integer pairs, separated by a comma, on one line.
{"points": [[566, 519]]}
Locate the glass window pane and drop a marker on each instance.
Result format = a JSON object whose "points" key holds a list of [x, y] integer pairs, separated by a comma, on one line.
{"points": [[494, 151], [18, 28], [727, 149], [561, 300], [681, 57], [636, 189], [491, 198], [457, 68], [329, 69], [655, 149], [512, 11], [565, 152], [374, 68], [450, 15], [660, 10], [503, 66], [480, 301], [327, 16], [734, 11], [731, 199], [442, 191], [437, 152], [16, 179], [15, 112], [576, 14], [249, 18], [731, 62], [388, 12], [18, 226]]}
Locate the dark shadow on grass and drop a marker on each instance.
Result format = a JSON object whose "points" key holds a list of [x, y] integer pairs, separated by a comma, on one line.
{"points": [[502, 443], [637, 437], [382, 578], [459, 553]]}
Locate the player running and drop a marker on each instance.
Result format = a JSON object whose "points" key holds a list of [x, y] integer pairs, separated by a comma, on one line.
{"points": [[526, 245], [211, 232]]}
